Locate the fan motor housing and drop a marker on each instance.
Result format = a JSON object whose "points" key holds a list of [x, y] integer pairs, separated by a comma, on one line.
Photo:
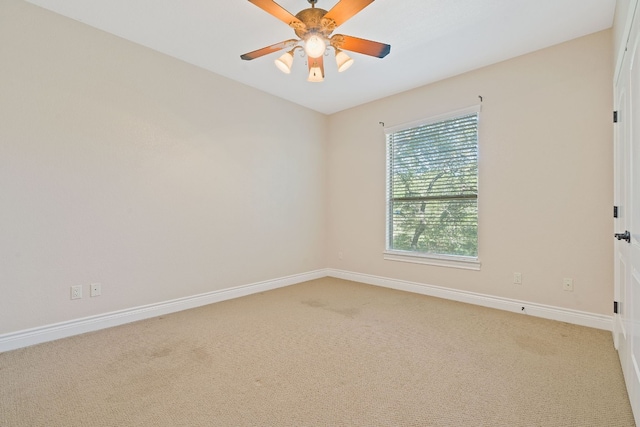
{"points": [[314, 22]]}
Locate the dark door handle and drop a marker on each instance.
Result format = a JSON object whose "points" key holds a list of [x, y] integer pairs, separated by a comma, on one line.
{"points": [[623, 236]]}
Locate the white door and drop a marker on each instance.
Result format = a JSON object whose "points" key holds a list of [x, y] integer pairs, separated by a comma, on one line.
{"points": [[633, 288], [627, 225], [622, 145]]}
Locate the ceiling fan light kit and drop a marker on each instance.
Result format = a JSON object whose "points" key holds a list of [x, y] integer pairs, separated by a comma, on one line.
{"points": [[314, 26], [316, 71], [314, 46], [285, 62], [343, 60]]}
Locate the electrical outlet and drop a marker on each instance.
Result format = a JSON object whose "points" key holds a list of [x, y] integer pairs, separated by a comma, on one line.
{"points": [[96, 289], [517, 278], [76, 292], [340, 255], [567, 285]]}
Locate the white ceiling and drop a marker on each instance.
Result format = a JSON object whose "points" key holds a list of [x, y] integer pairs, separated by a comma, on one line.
{"points": [[430, 39]]}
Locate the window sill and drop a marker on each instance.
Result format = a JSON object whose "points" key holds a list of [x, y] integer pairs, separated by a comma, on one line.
{"points": [[466, 263]]}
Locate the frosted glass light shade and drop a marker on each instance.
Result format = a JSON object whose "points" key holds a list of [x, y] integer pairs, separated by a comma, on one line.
{"points": [[314, 46], [343, 60], [285, 62], [315, 75]]}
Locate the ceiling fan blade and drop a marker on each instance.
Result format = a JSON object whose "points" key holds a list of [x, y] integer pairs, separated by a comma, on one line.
{"points": [[273, 8], [316, 62], [269, 49], [355, 44], [345, 9]]}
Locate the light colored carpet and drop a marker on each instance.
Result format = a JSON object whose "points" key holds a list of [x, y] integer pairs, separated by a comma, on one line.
{"points": [[322, 353]]}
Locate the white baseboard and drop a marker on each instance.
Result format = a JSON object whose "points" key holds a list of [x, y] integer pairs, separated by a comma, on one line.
{"points": [[598, 321], [25, 338]]}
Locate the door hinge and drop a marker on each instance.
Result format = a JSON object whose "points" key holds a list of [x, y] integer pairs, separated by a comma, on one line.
{"points": [[615, 212], [615, 117], [615, 307]]}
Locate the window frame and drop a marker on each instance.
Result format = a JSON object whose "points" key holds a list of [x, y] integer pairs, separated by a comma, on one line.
{"points": [[442, 260]]}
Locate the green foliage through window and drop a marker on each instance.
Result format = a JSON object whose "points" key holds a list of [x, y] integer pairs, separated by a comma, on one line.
{"points": [[433, 187]]}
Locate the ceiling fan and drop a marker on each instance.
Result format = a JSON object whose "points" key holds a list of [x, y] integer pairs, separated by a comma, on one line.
{"points": [[314, 26]]}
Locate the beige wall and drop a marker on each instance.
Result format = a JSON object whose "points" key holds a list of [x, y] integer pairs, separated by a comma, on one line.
{"points": [[157, 179], [545, 202]]}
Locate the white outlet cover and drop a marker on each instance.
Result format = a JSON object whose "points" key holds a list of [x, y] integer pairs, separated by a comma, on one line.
{"points": [[567, 284], [76, 292], [96, 289]]}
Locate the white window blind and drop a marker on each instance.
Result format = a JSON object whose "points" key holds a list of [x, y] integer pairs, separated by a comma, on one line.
{"points": [[432, 182]]}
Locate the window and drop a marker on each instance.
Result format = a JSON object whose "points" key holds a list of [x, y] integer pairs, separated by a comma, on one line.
{"points": [[432, 190]]}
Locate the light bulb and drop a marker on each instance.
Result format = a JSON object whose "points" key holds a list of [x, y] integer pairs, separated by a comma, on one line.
{"points": [[314, 46]]}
